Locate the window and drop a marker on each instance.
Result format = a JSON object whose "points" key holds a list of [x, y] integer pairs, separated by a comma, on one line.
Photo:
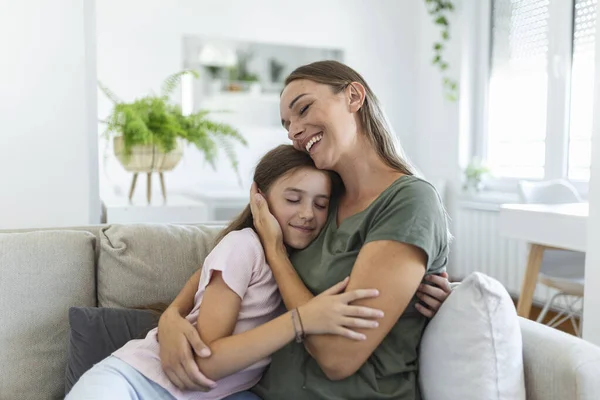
{"points": [[518, 88], [582, 89], [540, 89]]}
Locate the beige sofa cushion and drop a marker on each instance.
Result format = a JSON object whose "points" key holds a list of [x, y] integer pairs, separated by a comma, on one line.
{"points": [[42, 274], [142, 264]]}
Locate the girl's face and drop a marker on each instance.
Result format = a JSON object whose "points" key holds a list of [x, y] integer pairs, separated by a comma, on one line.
{"points": [[299, 200], [320, 122]]}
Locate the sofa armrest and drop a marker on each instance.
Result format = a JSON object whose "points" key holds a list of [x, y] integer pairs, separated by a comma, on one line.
{"points": [[559, 366]]}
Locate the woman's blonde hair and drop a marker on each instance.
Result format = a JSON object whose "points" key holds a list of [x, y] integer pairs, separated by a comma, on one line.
{"points": [[372, 118]]}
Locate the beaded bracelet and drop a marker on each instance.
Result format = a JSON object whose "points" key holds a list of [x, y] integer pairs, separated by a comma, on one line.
{"points": [[301, 325], [298, 327]]}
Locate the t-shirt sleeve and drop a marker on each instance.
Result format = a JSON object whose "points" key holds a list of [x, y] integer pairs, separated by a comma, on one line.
{"points": [[414, 214], [237, 256]]}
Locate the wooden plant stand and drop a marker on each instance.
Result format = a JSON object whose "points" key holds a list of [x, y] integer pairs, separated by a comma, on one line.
{"points": [[149, 186]]}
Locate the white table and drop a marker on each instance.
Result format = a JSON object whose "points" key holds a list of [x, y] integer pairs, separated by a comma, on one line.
{"points": [[543, 226]]}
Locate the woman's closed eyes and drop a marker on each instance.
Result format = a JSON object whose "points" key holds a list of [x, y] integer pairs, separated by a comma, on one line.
{"points": [[304, 109]]}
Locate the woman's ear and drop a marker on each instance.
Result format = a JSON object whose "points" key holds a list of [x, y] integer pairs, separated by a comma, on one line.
{"points": [[356, 96]]}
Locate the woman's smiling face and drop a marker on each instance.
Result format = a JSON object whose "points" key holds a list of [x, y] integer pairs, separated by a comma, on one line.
{"points": [[319, 121]]}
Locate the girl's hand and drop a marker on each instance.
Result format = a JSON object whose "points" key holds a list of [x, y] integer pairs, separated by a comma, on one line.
{"points": [[433, 296], [331, 312], [265, 223]]}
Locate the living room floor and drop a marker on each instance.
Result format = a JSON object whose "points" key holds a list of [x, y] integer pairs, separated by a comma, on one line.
{"points": [[565, 326]]}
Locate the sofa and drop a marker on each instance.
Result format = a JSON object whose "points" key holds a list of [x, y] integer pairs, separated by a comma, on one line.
{"points": [[44, 272]]}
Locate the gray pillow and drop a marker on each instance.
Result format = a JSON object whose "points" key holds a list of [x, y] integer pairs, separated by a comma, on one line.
{"points": [[97, 332]]}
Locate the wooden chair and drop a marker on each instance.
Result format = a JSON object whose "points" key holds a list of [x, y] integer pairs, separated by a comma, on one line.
{"points": [[562, 270]]}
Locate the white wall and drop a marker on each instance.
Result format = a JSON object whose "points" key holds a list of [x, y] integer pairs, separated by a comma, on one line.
{"points": [[591, 316], [437, 133], [437, 140], [140, 43], [48, 151]]}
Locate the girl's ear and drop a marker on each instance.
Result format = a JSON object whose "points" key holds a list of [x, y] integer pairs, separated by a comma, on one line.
{"points": [[254, 185]]}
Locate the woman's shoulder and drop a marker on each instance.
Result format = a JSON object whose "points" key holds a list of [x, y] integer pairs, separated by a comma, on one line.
{"points": [[412, 190], [413, 213], [407, 202]]}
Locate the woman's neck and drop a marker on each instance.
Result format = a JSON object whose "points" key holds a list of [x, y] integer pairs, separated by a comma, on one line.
{"points": [[364, 173]]}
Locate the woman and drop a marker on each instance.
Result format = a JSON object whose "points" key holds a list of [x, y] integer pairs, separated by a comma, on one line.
{"points": [[387, 231]]}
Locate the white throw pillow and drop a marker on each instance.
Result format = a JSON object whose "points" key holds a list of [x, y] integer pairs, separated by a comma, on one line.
{"points": [[472, 348]]}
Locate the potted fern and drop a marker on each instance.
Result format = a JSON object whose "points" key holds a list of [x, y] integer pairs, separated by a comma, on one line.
{"points": [[148, 134], [474, 176]]}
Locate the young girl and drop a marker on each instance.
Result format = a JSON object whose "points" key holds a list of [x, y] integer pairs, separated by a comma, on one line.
{"points": [[237, 307]]}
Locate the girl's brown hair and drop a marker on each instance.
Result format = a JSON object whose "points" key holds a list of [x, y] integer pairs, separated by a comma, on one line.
{"points": [[378, 130], [272, 166]]}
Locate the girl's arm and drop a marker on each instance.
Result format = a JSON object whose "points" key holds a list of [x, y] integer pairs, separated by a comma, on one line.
{"points": [[218, 316], [179, 340], [184, 302], [219, 312]]}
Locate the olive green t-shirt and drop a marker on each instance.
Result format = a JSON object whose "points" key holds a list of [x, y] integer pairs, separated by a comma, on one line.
{"points": [[408, 211]]}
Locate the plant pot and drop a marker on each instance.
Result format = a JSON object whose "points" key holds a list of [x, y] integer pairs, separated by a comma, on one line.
{"points": [[216, 86], [473, 186], [255, 88], [146, 158]]}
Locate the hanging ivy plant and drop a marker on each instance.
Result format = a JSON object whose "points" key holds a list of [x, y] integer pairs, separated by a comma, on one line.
{"points": [[439, 10]]}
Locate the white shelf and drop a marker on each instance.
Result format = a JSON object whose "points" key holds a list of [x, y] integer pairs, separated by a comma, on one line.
{"points": [[177, 210], [223, 205], [243, 108]]}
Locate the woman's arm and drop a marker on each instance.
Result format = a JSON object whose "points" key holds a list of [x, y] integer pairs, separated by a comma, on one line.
{"points": [[294, 292], [219, 313], [297, 294], [394, 268]]}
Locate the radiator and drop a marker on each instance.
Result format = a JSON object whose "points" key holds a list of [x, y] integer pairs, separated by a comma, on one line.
{"points": [[478, 246]]}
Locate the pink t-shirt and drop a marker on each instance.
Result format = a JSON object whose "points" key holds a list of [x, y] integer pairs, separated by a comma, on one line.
{"points": [[241, 260]]}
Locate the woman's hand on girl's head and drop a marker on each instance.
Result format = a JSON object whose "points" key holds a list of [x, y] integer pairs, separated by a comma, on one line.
{"points": [[433, 296], [265, 223], [331, 312]]}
